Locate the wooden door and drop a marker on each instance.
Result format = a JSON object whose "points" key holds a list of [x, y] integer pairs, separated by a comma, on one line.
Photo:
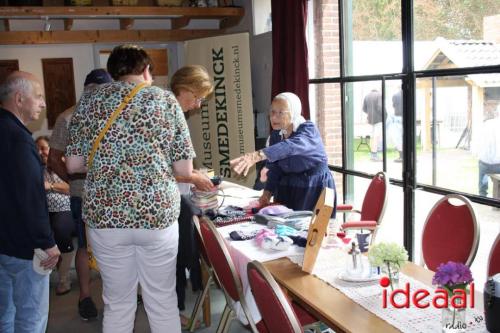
{"points": [[59, 82], [7, 67]]}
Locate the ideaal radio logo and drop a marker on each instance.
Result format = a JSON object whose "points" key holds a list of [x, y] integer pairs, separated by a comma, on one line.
{"points": [[455, 292]]}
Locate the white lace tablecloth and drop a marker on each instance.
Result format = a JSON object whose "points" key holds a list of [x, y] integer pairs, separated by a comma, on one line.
{"points": [[330, 263]]}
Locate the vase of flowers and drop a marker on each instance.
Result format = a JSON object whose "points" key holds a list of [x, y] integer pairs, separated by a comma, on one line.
{"points": [[390, 257], [453, 277]]}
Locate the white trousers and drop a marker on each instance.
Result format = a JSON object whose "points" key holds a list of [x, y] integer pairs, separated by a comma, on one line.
{"points": [[127, 257]]}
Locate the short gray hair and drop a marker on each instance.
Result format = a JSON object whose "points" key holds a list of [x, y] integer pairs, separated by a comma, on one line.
{"points": [[14, 84]]}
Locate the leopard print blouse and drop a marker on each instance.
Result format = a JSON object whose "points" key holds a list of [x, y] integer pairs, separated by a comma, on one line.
{"points": [[131, 182]]}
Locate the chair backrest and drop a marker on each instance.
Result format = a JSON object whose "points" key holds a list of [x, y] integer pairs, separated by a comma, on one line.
{"points": [[221, 260], [450, 233], [276, 311], [375, 199], [199, 239], [494, 260]]}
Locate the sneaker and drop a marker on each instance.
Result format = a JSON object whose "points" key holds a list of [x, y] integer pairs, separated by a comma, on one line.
{"points": [[87, 309]]}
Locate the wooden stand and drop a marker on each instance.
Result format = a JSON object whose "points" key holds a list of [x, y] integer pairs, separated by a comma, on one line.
{"points": [[317, 228]]}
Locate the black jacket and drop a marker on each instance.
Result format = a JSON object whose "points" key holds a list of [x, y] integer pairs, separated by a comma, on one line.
{"points": [[24, 216]]}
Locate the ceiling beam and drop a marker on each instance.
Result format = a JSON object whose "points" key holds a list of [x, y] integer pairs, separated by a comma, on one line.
{"points": [[6, 25], [68, 24], [117, 11], [126, 23], [181, 22], [102, 36]]}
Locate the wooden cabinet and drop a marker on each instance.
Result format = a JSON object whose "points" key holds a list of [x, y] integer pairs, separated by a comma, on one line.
{"points": [[179, 18]]}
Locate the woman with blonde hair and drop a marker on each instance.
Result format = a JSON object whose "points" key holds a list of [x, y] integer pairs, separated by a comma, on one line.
{"points": [[191, 86]]}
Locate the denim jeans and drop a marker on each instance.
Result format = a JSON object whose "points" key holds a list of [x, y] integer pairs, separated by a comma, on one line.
{"points": [[484, 169], [24, 297]]}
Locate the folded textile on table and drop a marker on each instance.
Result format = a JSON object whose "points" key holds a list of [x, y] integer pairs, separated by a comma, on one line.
{"points": [[239, 235]]}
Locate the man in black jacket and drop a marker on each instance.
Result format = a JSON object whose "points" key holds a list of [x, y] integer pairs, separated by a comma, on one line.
{"points": [[24, 217]]}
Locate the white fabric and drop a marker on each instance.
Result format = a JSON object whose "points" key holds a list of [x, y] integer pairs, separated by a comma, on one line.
{"points": [[127, 257], [330, 263], [295, 107], [242, 252], [489, 142]]}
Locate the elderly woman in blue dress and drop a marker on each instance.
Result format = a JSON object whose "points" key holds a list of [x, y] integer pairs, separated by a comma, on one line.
{"points": [[296, 158]]}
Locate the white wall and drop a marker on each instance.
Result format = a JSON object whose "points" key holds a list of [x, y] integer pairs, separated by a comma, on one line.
{"points": [[29, 57]]}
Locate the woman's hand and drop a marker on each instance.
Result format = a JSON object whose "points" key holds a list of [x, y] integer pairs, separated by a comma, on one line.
{"points": [[265, 198], [242, 164], [201, 181]]}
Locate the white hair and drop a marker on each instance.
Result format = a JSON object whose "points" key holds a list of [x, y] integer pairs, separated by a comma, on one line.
{"points": [[14, 84]]}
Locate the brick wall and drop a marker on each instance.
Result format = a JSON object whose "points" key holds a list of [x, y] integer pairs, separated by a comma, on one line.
{"points": [[328, 99]]}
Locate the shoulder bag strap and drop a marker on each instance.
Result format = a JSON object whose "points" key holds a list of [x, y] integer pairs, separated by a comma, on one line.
{"points": [[111, 120]]}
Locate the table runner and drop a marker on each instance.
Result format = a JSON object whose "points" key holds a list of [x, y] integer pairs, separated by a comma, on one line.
{"points": [[330, 263]]}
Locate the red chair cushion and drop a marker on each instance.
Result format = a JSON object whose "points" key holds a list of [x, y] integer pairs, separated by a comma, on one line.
{"points": [[373, 202], [344, 207], [360, 225], [219, 261], [494, 263], [273, 313], [448, 235]]}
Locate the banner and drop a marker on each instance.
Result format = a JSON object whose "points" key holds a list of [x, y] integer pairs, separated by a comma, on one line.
{"points": [[224, 127]]}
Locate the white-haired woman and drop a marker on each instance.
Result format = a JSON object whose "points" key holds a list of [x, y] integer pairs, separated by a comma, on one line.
{"points": [[296, 157]]}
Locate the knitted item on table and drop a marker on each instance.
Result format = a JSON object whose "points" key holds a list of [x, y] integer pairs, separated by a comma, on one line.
{"points": [[239, 235]]}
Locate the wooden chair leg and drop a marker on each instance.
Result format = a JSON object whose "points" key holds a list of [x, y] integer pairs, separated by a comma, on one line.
{"points": [[206, 278], [198, 305]]}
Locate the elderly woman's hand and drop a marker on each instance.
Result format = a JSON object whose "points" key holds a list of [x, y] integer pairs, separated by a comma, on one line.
{"points": [[242, 164], [265, 198]]}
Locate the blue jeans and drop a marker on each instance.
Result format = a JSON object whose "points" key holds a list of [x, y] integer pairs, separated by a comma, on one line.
{"points": [[484, 169], [24, 297]]}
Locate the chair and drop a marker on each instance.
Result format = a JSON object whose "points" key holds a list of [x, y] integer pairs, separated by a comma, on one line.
{"points": [[450, 233], [373, 208], [278, 314], [205, 264], [226, 274], [494, 260]]}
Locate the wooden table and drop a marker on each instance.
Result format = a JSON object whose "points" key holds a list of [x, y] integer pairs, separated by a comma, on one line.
{"points": [[333, 307]]}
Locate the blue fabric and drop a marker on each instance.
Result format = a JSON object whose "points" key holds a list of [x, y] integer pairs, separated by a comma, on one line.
{"points": [[484, 169], [24, 297], [298, 168], [24, 216]]}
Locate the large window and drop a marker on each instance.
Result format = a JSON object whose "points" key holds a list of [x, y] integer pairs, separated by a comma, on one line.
{"points": [[416, 102]]}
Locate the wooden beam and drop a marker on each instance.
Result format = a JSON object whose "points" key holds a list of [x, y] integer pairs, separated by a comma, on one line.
{"points": [[229, 22], [6, 25], [126, 23], [68, 24], [102, 36], [127, 11], [180, 22]]}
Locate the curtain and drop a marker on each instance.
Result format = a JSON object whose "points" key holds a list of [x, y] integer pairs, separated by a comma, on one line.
{"points": [[290, 71]]}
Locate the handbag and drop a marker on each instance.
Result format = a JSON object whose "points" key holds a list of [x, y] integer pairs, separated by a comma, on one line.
{"points": [[92, 260]]}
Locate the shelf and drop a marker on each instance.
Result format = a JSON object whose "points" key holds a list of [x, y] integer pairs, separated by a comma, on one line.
{"points": [[178, 16]]}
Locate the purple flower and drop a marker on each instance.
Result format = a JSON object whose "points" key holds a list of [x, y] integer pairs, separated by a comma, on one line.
{"points": [[452, 273]]}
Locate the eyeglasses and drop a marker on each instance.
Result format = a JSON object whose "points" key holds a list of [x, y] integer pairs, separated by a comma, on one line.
{"points": [[199, 100], [278, 113]]}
